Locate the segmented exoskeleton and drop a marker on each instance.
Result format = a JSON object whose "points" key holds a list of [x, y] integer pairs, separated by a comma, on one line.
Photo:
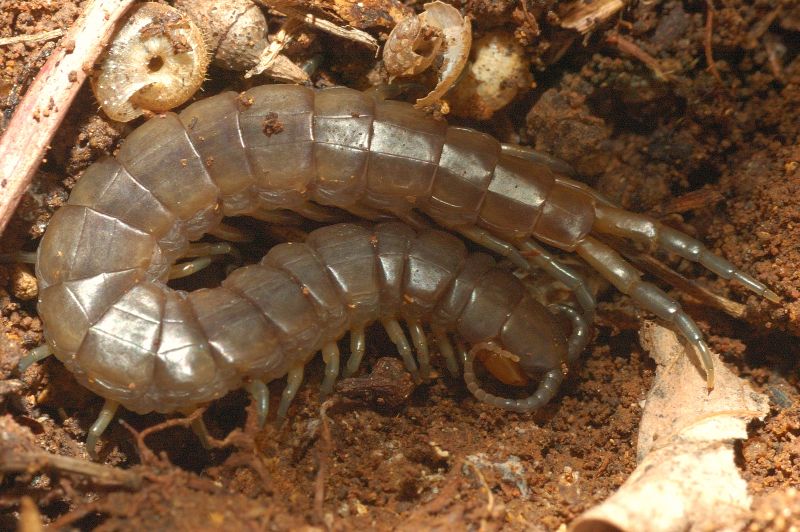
{"points": [[107, 253]]}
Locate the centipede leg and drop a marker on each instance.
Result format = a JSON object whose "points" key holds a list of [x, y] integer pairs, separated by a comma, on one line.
{"points": [[539, 256], [644, 230], [260, 394], [413, 218], [358, 346], [398, 337], [330, 354], [421, 346], [185, 269], [207, 249], [579, 336], [231, 234], [368, 213], [35, 355], [535, 255], [24, 257], [278, 217], [446, 348], [320, 213], [554, 163], [390, 91], [201, 431], [545, 391], [627, 280], [107, 413], [485, 239], [565, 174], [293, 382]]}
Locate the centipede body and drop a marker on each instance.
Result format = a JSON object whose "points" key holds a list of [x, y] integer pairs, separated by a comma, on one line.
{"points": [[107, 253]]}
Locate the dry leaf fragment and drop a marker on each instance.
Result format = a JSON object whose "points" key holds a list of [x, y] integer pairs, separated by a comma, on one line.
{"points": [[687, 478]]}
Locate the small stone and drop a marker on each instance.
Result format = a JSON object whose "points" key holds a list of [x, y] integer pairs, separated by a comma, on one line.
{"points": [[23, 283]]}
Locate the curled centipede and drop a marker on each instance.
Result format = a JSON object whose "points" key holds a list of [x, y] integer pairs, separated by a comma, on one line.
{"points": [[277, 149]]}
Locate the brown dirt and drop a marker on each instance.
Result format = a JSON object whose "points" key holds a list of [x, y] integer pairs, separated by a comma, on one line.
{"points": [[715, 153]]}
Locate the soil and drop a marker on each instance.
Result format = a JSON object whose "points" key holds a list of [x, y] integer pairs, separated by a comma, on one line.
{"points": [[635, 108]]}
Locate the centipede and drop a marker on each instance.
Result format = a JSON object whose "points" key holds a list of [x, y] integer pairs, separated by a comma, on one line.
{"points": [[278, 150]]}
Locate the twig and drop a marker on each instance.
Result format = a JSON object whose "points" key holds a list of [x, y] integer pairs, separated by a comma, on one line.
{"points": [[712, 66], [702, 198], [43, 36], [32, 462], [689, 286], [81, 512], [760, 28], [30, 520], [285, 35], [327, 26], [489, 496], [628, 47], [45, 105]]}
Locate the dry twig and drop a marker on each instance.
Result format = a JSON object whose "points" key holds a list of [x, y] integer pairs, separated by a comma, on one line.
{"points": [[43, 36], [628, 47], [351, 34], [45, 105], [32, 462]]}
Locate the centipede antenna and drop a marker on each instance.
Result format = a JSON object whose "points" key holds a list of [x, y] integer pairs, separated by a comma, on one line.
{"points": [[398, 337], [446, 349], [107, 413], [357, 348], [330, 354], [421, 345], [260, 394], [293, 382], [37, 354]]}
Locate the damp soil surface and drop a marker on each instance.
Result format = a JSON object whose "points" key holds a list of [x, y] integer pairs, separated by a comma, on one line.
{"points": [[635, 107]]}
